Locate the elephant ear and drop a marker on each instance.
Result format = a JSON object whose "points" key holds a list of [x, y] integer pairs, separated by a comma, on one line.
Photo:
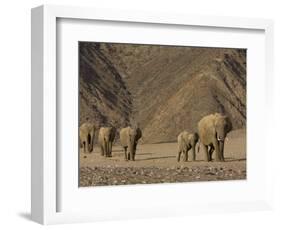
{"points": [[229, 124], [219, 120], [139, 133], [196, 136]]}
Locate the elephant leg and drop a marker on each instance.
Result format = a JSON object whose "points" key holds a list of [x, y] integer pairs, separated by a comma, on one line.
{"points": [[205, 149], [129, 156], [125, 151], [193, 153], [88, 148], [102, 150], [84, 146], [133, 157], [105, 148], [217, 151], [110, 149], [186, 154], [88, 143], [91, 145], [211, 150], [179, 156]]}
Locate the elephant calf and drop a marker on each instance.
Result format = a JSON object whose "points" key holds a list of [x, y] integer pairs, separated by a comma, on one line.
{"points": [[105, 139], [212, 132], [187, 141], [129, 139], [87, 134]]}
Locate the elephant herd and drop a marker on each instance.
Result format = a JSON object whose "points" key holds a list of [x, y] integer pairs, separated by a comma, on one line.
{"points": [[129, 137], [212, 131]]}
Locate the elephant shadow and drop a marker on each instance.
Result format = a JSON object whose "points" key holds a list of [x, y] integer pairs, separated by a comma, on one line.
{"points": [[234, 159], [142, 154], [117, 150], [227, 159], [155, 158]]}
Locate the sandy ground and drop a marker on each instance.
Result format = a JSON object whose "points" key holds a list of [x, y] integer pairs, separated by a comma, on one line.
{"points": [[156, 163]]}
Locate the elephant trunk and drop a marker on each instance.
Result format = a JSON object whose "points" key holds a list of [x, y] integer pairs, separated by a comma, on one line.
{"points": [[221, 149], [110, 148], [106, 143], [132, 151]]}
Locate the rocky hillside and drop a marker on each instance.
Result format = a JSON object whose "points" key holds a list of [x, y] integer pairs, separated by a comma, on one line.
{"points": [[165, 89], [104, 97]]}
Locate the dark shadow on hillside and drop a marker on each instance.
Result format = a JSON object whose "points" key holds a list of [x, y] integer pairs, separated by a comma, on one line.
{"points": [[102, 88]]}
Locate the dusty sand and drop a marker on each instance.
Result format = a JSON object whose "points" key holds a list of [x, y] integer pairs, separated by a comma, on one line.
{"points": [[156, 163]]}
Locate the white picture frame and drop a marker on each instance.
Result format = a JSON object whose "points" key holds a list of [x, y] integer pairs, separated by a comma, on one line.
{"points": [[46, 181]]}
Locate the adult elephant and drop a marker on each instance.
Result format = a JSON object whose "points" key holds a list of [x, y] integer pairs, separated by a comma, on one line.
{"points": [[105, 139], [87, 135], [212, 132], [129, 139], [187, 141]]}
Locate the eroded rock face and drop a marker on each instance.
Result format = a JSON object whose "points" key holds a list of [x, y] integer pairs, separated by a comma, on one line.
{"points": [[103, 95], [163, 88]]}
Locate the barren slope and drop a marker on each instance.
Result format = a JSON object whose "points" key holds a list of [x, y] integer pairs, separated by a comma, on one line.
{"points": [[165, 89], [104, 97]]}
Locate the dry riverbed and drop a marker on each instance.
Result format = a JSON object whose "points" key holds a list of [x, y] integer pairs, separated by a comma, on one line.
{"points": [[156, 163]]}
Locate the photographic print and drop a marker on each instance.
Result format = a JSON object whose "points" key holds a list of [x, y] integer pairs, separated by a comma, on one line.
{"points": [[161, 114]]}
